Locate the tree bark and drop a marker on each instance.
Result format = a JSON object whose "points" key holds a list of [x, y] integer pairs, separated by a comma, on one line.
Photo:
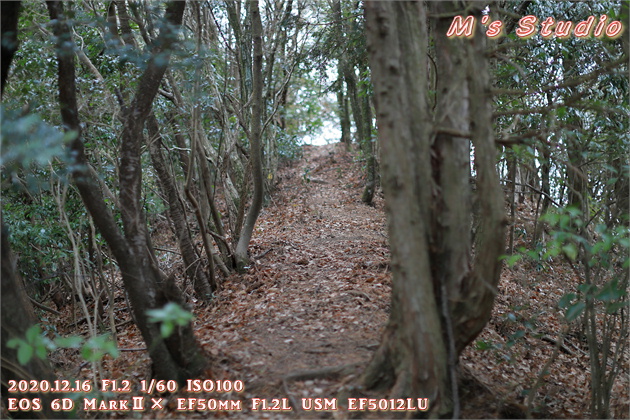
{"points": [[179, 356], [344, 115], [242, 259], [367, 147], [412, 357], [342, 98], [194, 269], [442, 295], [472, 313], [10, 14], [17, 318]]}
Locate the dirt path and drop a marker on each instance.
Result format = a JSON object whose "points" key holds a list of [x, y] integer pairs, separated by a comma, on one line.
{"points": [[318, 293]]}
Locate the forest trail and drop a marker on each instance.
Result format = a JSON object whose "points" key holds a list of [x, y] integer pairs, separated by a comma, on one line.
{"points": [[318, 293], [317, 296]]}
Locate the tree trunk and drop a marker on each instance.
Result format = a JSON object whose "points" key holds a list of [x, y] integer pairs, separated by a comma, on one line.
{"points": [[17, 317], [368, 153], [442, 295], [357, 112], [10, 14], [512, 163], [342, 98], [242, 259], [179, 356], [576, 179], [478, 290], [344, 115], [362, 114], [194, 269], [412, 358]]}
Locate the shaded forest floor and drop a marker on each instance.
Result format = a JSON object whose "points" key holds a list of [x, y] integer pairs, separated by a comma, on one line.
{"points": [[317, 296]]}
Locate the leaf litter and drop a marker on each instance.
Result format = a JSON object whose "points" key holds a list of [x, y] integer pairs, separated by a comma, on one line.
{"points": [[316, 298]]}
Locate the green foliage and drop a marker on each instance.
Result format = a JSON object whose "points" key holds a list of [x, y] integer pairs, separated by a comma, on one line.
{"points": [[306, 177], [169, 317], [28, 142], [35, 343], [606, 250], [34, 162], [96, 347], [288, 146]]}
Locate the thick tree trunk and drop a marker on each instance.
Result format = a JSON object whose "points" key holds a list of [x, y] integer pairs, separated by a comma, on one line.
{"points": [[412, 358], [242, 259], [472, 312], [179, 356], [442, 295]]}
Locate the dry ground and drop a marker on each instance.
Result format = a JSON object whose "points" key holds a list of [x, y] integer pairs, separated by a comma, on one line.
{"points": [[317, 296]]}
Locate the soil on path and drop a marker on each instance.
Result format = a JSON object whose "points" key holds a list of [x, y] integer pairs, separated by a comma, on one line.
{"points": [[317, 296], [317, 293]]}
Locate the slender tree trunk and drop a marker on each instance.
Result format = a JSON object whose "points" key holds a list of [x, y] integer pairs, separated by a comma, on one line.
{"points": [[362, 114], [17, 317], [576, 179], [342, 98], [344, 115], [357, 111], [242, 259], [17, 314], [512, 165], [194, 269], [10, 14], [367, 146], [179, 356]]}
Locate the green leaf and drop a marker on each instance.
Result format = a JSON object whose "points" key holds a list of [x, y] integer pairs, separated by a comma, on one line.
{"points": [[514, 337], [170, 316], [574, 311], [97, 347], [41, 352], [610, 292], [611, 308], [570, 250], [484, 345], [561, 111], [14, 343], [510, 260], [72, 342], [586, 288], [566, 300], [33, 333], [166, 329], [25, 353]]}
